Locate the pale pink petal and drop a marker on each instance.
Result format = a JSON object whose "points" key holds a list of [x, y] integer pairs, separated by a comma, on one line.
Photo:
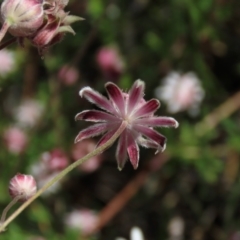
{"points": [[147, 108], [157, 122], [107, 136], [147, 143], [116, 95], [121, 153], [92, 131], [152, 134], [133, 150], [97, 98], [95, 116], [135, 95]]}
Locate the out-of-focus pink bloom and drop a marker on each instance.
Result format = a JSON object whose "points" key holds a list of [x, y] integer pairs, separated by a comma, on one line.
{"points": [[130, 108], [15, 140], [29, 113], [176, 228], [56, 160], [110, 63], [22, 186], [181, 92], [81, 149], [235, 236], [49, 165], [85, 220], [7, 62], [68, 75]]}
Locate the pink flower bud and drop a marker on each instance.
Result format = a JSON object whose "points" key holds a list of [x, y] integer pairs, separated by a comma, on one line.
{"points": [[110, 63], [68, 75], [80, 150], [23, 186], [54, 29], [22, 17], [15, 140], [56, 160]]}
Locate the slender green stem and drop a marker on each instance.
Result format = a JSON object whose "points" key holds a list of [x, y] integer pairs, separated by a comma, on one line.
{"points": [[4, 214], [63, 173]]}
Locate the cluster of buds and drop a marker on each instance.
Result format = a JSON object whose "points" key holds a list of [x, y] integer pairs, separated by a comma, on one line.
{"points": [[43, 22]]}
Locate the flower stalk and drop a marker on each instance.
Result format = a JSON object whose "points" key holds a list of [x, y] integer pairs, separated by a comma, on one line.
{"points": [[97, 151], [4, 30], [5, 211]]}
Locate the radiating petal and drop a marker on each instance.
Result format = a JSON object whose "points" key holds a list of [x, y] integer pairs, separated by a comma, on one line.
{"points": [[147, 143], [95, 116], [116, 95], [121, 153], [97, 98], [107, 136], [135, 95], [133, 150], [157, 122], [152, 134], [92, 131], [147, 109]]}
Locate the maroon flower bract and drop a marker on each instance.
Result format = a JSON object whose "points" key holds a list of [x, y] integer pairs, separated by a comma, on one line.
{"points": [[129, 107]]}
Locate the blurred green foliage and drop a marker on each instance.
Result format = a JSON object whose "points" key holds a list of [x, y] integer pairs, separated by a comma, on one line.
{"points": [[199, 183]]}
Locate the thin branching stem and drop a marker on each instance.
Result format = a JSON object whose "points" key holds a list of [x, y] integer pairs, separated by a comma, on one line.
{"points": [[5, 211], [97, 151]]}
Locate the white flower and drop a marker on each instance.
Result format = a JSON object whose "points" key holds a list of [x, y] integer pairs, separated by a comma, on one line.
{"points": [[85, 220], [181, 92], [176, 228], [29, 113], [135, 234]]}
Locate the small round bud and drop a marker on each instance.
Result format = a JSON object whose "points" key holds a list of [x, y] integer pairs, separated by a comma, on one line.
{"points": [[23, 17], [23, 186]]}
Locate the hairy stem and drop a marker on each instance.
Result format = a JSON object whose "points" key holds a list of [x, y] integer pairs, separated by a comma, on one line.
{"points": [[3, 30], [97, 151], [4, 214]]}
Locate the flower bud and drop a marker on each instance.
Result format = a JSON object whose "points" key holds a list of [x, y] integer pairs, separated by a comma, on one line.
{"points": [[22, 17], [22, 186], [54, 29]]}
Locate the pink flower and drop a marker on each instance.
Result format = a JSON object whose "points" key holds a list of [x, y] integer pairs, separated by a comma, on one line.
{"points": [[49, 165], [7, 62], [85, 220], [15, 140], [110, 63], [22, 186], [68, 75], [128, 107], [181, 92], [56, 160], [80, 150]]}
